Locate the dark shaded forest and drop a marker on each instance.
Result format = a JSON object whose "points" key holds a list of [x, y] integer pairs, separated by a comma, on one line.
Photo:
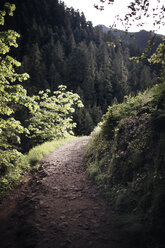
{"points": [[58, 46]]}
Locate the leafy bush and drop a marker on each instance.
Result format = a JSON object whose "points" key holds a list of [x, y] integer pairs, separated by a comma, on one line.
{"points": [[52, 116], [19, 164], [11, 97], [130, 107], [38, 152]]}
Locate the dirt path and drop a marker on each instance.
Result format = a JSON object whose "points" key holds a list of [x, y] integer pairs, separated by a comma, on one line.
{"points": [[58, 207]]}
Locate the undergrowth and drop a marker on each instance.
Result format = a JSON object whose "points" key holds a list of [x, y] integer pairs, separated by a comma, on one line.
{"points": [[28, 162], [126, 157], [38, 152]]}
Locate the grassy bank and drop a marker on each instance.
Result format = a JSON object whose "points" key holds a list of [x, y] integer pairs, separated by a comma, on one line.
{"points": [[27, 163], [38, 152], [127, 164]]}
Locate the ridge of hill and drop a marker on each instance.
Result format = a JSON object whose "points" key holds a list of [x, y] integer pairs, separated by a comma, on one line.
{"points": [[139, 38]]}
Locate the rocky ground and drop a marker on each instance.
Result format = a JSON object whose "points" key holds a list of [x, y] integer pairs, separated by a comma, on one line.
{"points": [[59, 207]]}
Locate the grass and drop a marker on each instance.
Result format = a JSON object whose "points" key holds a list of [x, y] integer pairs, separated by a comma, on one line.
{"points": [[27, 163], [125, 158], [38, 152]]}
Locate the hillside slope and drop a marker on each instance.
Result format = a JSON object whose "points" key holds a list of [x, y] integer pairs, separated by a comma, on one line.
{"points": [[140, 38], [127, 164]]}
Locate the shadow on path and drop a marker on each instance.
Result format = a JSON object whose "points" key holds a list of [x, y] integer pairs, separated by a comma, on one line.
{"points": [[58, 207]]}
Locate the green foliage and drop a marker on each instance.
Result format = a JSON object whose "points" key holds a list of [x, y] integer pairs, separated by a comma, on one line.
{"points": [[13, 166], [45, 118], [97, 163], [159, 57], [18, 164], [38, 152], [11, 98], [127, 162], [53, 115], [130, 107], [70, 51]]}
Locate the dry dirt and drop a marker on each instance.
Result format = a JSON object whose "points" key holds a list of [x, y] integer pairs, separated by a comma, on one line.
{"points": [[59, 207]]}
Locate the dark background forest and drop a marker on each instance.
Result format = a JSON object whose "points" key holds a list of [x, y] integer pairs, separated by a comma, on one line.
{"points": [[58, 46]]}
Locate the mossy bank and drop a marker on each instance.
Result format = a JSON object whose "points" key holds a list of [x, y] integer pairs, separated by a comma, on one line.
{"points": [[126, 158]]}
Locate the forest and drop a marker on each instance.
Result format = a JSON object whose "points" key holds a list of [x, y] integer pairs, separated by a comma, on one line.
{"points": [[61, 76], [64, 48]]}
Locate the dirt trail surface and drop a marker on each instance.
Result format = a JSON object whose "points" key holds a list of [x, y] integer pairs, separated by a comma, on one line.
{"points": [[58, 207]]}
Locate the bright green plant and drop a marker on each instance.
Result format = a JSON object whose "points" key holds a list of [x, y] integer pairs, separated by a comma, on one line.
{"points": [[53, 117], [11, 96], [130, 107], [159, 57], [47, 117], [39, 151]]}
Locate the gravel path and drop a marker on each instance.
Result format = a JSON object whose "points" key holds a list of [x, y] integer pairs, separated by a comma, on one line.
{"points": [[58, 207]]}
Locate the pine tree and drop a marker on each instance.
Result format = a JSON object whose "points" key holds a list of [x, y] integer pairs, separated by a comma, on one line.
{"points": [[145, 78]]}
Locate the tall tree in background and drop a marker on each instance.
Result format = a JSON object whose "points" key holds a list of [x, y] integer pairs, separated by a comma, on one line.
{"points": [[58, 46], [137, 11], [25, 120]]}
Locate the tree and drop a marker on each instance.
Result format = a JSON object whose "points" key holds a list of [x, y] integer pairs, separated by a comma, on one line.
{"points": [[145, 78], [23, 118], [136, 10], [12, 96], [53, 117], [159, 57], [78, 66]]}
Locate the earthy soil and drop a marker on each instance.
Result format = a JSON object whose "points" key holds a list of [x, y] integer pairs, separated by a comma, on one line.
{"points": [[59, 207]]}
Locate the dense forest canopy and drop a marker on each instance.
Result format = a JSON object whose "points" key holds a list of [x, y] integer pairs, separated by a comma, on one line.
{"points": [[137, 14], [58, 46]]}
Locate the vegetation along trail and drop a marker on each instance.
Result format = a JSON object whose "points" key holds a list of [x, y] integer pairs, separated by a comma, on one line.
{"points": [[58, 207]]}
